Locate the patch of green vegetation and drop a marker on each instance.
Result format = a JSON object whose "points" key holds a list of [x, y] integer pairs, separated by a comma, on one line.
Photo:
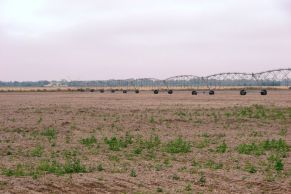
{"points": [[50, 133], [159, 167], [70, 166], [274, 144], [196, 164], [152, 119], [279, 146], [100, 167], [153, 142], [115, 144], [261, 112], [34, 134], [17, 172], [213, 165], [37, 151], [202, 179], [137, 150], [222, 148], [250, 149], [276, 162], [159, 190], [227, 114], [254, 111], [250, 168], [203, 144], [51, 166], [188, 187], [133, 173], [114, 158], [89, 141], [181, 113], [167, 162], [178, 146]]}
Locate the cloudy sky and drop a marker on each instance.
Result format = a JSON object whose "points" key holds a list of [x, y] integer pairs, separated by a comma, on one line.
{"points": [[103, 39]]}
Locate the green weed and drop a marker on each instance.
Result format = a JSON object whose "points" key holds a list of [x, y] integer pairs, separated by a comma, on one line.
{"points": [[279, 146], [115, 144], [153, 142], [69, 167], [178, 146], [202, 179], [250, 149], [250, 168], [188, 187], [17, 172], [152, 119], [89, 142], [137, 151], [213, 165], [37, 151], [50, 133], [100, 167], [221, 148], [276, 162], [203, 144], [133, 173]]}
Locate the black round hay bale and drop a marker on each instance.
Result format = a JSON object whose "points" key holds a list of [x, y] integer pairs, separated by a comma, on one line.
{"points": [[156, 91], [170, 91], [194, 92]]}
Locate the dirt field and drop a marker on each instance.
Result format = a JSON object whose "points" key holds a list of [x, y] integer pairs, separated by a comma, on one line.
{"points": [[145, 143]]}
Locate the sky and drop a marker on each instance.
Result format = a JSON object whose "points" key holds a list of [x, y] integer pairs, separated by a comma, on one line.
{"points": [[118, 39]]}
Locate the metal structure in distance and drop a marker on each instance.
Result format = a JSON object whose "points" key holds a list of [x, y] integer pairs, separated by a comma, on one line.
{"points": [[264, 80]]}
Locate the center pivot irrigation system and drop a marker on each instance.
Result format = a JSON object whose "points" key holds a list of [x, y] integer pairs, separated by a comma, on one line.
{"points": [[279, 78]]}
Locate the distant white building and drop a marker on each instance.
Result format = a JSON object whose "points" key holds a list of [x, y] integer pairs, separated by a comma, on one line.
{"points": [[62, 83]]}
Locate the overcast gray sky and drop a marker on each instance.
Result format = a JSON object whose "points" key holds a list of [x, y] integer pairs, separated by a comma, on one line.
{"points": [[103, 39]]}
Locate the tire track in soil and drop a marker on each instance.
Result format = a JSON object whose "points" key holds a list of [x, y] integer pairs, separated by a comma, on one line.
{"points": [[262, 186]]}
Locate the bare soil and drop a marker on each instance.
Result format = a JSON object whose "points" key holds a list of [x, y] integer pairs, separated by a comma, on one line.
{"points": [[60, 142]]}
